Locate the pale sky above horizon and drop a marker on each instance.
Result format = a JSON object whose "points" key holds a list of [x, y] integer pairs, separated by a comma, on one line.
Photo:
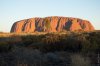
{"points": [[15, 10]]}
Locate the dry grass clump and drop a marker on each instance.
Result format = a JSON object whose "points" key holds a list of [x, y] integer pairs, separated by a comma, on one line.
{"points": [[79, 60]]}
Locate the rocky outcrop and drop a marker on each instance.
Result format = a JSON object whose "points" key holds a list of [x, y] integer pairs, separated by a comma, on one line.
{"points": [[52, 24]]}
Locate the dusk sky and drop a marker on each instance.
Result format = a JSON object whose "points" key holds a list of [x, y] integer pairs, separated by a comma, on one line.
{"points": [[15, 10]]}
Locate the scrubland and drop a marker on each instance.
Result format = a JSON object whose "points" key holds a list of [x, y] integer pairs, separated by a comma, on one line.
{"points": [[49, 49]]}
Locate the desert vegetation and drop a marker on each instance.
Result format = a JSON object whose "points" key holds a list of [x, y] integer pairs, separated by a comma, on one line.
{"points": [[47, 24], [49, 49]]}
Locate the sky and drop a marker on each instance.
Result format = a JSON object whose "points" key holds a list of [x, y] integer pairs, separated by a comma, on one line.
{"points": [[15, 10]]}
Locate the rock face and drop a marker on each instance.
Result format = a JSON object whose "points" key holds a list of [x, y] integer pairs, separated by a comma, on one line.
{"points": [[51, 24]]}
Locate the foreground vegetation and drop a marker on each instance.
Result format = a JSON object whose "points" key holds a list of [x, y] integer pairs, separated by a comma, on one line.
{"points": [[49, 49]]}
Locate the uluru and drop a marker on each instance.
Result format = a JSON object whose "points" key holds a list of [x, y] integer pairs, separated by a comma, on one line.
{"points": [[51, 24]]}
